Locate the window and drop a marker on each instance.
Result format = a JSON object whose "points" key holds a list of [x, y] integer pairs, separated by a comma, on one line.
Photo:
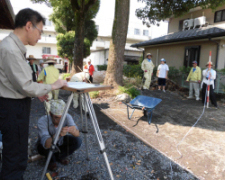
{"points": [[219, 16], [136, 31], [48, 22], [46, 50], [145, 33]]}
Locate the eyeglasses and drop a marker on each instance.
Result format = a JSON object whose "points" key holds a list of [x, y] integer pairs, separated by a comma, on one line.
{"points": [[41, 32]]}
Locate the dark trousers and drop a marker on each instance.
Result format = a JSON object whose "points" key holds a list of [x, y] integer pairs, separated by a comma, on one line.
{"points": [[211, 95], [70, 144], [91, 79], [14, 126]]}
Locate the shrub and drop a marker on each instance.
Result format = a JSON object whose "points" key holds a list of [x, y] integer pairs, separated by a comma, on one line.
{"points": [[94, 94], [185, 70], [173, 73], [102, 67], [66, 75], [132, 70], [132, 91]]}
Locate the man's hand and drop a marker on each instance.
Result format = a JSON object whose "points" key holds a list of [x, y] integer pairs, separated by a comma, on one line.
{"points": [[64, 131], [145, 70], [43, 98], [58, 84]]}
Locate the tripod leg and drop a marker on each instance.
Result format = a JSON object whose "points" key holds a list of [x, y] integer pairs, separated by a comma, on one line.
{"points": [[62, 120], [98, 132], [84, 126]]}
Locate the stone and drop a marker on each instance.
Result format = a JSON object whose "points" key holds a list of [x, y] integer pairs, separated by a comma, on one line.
{"points": [[123, 97]]}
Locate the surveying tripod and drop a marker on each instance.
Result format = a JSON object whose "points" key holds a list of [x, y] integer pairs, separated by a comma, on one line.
{"points": [[82, 89]]}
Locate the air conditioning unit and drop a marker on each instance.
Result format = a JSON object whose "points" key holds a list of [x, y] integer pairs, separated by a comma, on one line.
{"points": [[188, 24], [200, 21]]}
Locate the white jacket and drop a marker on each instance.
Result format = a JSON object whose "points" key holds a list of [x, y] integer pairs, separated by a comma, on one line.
{"points": [[149, 66], [212, 78]]}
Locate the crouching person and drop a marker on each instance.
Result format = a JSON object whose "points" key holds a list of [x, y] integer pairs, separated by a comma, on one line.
{"points": [[69, 140]]}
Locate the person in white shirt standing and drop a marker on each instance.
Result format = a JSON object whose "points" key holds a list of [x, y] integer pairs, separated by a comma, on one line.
{"points": [[162, 74], [209, 76]]}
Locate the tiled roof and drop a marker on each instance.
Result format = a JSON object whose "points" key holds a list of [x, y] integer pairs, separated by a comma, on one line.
{"points": [[193, 34]]}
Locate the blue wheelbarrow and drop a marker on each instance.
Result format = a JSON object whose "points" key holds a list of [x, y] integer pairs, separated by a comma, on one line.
{"points": [[145, 103]]}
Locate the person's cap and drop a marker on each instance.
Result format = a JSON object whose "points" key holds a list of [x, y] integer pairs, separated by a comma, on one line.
{"points": [[148, 54], [194, 62], [50, 60], [163, 60], [41, 62], [208, 64], [31, 57], [57, 107], [89, 60]]}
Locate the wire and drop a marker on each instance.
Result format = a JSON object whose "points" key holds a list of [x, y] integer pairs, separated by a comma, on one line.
{"points": [[181, 155]]}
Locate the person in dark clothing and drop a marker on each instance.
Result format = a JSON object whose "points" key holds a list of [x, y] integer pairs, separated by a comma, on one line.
{"points": [[16, 89], [34, 67]]}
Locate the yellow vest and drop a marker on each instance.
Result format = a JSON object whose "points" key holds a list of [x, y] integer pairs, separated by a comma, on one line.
{"points": [[195, 76], [49, 75]]}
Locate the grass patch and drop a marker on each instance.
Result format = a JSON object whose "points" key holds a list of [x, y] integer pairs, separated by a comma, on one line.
{"points": [[94, 94]]}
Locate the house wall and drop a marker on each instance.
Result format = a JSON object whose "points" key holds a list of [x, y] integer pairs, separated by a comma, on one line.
{"points": [[174, 54], [208, 13]]}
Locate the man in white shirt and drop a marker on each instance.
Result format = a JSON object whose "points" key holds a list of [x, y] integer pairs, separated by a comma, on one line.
{"points": [[162, 74]]}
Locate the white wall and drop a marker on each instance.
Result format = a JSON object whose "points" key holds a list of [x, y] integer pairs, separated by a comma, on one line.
{"points": [[37, 50]]}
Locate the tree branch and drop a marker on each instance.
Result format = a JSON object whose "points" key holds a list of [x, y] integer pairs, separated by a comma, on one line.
{"points": [[75, 5]]}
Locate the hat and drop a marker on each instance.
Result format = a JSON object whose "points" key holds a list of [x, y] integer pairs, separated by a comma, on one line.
{"points": [[194, 62], [41, 62], [208, 64], [163, 60], [89, 60], [31, 57], [50, 60], [57, 107], [149, 54]]}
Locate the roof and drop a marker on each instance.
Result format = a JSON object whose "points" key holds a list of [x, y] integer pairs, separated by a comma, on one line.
{"points": [[6, 14], [193, 34]]}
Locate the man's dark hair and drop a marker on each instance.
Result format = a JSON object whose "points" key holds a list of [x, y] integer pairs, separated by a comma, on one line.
{"points": [[26, 15]]}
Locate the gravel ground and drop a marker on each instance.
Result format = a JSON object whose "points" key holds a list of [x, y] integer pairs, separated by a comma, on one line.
{"points": [[129, 157]]}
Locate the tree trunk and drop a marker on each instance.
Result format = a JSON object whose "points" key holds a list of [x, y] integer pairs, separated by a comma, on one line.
{"points": [[79, 44], [114, 74]]}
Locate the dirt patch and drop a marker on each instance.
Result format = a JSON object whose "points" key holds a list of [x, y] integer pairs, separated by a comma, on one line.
{"points": [[202, 150]]}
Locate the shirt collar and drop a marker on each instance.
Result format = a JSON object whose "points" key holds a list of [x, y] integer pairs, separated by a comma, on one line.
{"points": [[18, 42]]}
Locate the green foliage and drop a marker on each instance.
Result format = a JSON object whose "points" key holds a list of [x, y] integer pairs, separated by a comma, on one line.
{"points": [[155, 11], [185, 70], [94, 94], [132, 91], [221, 70], [102, 67], [132, 70], [66, 75], [173, 73]]}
